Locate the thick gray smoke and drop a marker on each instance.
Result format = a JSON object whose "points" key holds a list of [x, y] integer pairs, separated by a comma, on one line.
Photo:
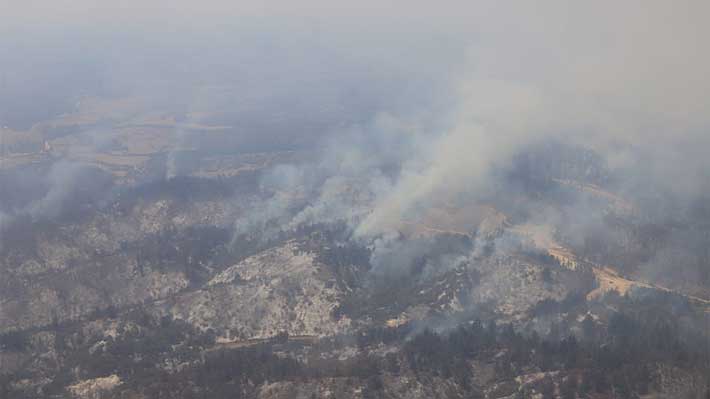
{"points": [[400, 107], [625, 83]]}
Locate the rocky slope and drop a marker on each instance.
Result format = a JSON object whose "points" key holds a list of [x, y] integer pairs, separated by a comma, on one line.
{"points": [[151, 291]]}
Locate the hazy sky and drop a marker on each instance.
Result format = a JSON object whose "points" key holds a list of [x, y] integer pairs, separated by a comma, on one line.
{"points": [[624, 67], [467, 82]]}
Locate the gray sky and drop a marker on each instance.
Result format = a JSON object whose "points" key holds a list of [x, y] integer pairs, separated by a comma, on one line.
{"points": [[627, 67], [502, 74]]}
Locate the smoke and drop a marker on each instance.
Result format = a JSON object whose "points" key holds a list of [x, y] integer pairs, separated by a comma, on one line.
{"points": [[285, 184], [429, 106], [66, 187], [636, 102], [625, 83], [171, 163]]}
